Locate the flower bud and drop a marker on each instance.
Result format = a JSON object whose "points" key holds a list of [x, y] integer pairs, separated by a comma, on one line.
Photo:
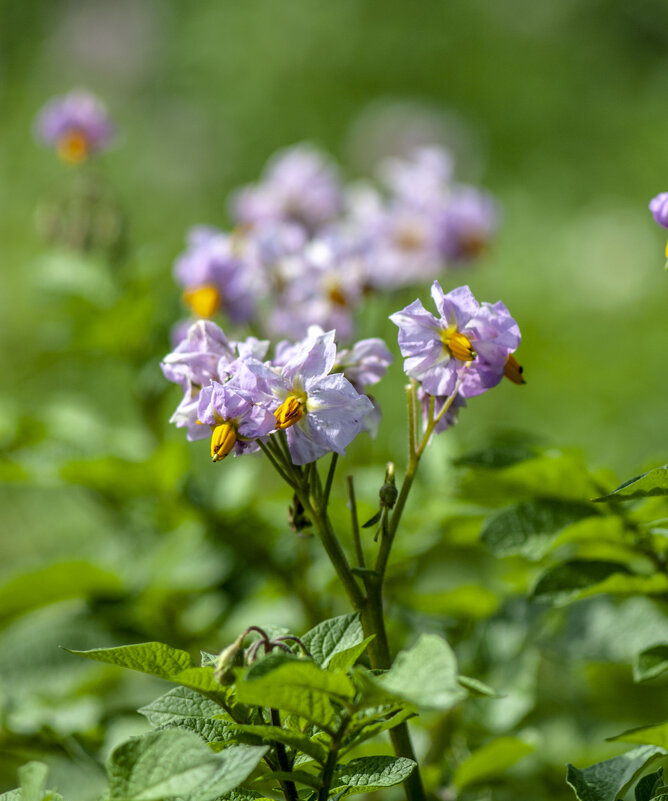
{"points": [[227, 659]]}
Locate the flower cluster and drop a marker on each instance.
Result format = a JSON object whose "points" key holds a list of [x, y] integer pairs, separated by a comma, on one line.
{"points": [[77, 125], [233, 394], [307, 249], [464, 350]]}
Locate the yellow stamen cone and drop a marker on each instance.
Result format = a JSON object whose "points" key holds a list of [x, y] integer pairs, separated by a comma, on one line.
{"points": [[222, 441], [513, 371], [73, 147], [459, 346], [289, 412], [204, 301]]}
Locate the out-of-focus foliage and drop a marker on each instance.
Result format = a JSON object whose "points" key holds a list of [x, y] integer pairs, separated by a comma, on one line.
{"points": [[116, 531]]}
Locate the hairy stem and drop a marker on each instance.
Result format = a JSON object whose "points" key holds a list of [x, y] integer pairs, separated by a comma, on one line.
{"points": [[355, 523]]}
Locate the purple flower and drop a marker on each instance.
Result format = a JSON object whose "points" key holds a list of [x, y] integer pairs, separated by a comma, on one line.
{"points": [[466, 341], [299, 184], [319, 412], [215, 276], [365, 363], [77, 125], [449, 418], [205, 355], [468, 224], [422, 179], [659, 207], [235, 420]]}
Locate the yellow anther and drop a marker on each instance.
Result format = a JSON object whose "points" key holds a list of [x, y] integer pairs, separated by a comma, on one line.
{"points": [[337, 297], [458, 345], [513, 371], [289, 412], [204, 301], [73, 147], [222, 441]]}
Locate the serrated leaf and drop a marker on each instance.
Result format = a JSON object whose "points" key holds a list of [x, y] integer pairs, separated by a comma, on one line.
{"points": [[425, 675], [300, 688], [367, 774], [290, 737], [606, 781], [490, 760], [567, 581], [333, 636], [347, 658], [154, 658], [175, 762], [654, 482], [179, 704], [651, 662], [530, 528], [645, 735]]}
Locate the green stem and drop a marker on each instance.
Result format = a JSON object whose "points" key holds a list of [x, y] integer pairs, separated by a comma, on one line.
{"points": [[288, 787], [332, 758], [328, 483], [355, 524]]}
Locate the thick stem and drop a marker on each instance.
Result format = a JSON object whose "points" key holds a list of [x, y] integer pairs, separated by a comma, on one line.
{"points": [[288, 787], [330, 764]]}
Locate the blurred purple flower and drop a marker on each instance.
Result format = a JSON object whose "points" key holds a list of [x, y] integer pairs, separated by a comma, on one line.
{"points": [[659, 207], [299, 184], [215, 276], [449, 418], [468, 224], [76, 124]]}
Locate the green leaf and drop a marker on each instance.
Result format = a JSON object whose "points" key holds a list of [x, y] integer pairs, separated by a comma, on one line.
{"points": [[425, 675], [347, 658], [333, 636], [477, 687], [367, 774], [490, 760], [11, 795], [365, 728], [179, 704], [568, 581], [496, 456], [645, 735], [651, 662], [290, 737], [155, 658], [647, 786], [175, 762], [530, 528], [654, 482], [32, 778], [373, 520], [300, 688], [54, 583], [606, 781], [298, 776]]}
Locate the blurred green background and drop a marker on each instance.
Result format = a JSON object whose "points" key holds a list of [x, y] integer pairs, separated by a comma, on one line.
{"points": [[557, 107]]}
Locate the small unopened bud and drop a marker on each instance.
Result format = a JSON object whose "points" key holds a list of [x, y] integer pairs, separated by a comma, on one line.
{"points": [[227, 659], [388, 492]]}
